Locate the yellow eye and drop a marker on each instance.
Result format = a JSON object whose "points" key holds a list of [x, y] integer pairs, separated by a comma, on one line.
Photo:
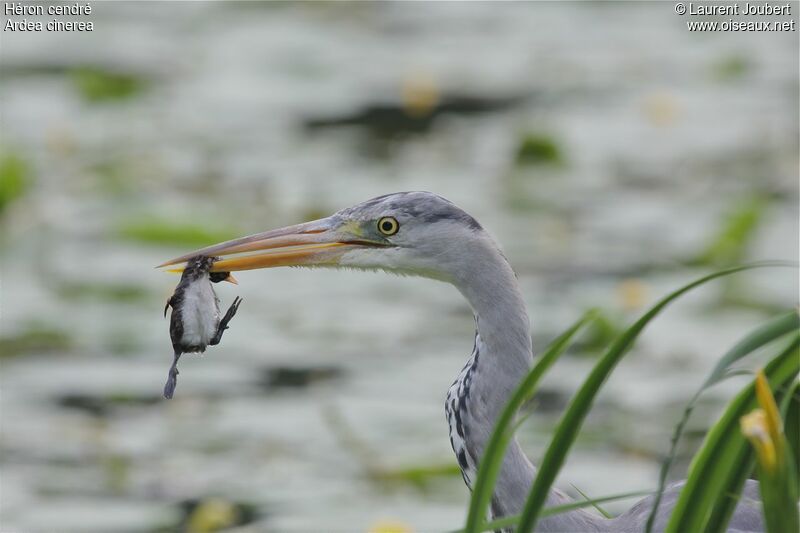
{"points": [[388, 226]]}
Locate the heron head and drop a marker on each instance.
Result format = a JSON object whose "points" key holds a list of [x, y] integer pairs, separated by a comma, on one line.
{"points": [[410, 233]]}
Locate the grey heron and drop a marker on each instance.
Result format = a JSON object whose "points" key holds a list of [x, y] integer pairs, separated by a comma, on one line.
{"points": [[423, 234]]}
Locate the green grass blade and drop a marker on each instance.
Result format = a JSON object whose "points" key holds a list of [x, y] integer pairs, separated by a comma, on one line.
{"points": [[720, 467], [776, 475], [792, 430], [597, 507], [740, 463], [594, 502], [764, 334], [742, 466], [571, 422], [510, 521], [780, 504], [492, 459]]}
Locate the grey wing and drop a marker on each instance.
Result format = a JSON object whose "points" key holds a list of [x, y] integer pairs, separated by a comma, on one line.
{"points": [[176, 329]]}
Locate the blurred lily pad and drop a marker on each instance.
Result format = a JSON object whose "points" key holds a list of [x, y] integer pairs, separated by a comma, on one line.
{"points": [[390, 526], [738, 295], [165, 233], [96, 84], [599, 334], [114, 176], [731, 67], [736, 232], [539, 149], [298, 377], [101, 405], [117, 469], [418, 476], [15, 179], [216, 514], [35, 338], [421, 106], [122, 342], [546, 400], [109, 292]]}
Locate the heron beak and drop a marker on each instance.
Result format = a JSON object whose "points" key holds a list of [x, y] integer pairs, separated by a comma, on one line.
{"points": [[317, 243]]}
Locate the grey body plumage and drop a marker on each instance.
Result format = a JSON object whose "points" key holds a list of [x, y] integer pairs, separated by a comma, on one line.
{"points": [[195, 322], [422, 234]]}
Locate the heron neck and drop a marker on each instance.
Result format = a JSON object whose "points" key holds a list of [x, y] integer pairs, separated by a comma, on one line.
{"points": [[503, 331], [502, 357]]}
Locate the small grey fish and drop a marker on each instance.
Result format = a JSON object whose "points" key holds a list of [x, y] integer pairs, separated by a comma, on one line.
{"points": [[195, 322]]}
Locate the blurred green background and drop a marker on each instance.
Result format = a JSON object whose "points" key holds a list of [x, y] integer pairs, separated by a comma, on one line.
{"points": [[611, 152]]}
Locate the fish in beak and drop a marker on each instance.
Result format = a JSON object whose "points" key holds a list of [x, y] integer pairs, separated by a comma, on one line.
{"points": [[317, 243], [195, 323]]}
